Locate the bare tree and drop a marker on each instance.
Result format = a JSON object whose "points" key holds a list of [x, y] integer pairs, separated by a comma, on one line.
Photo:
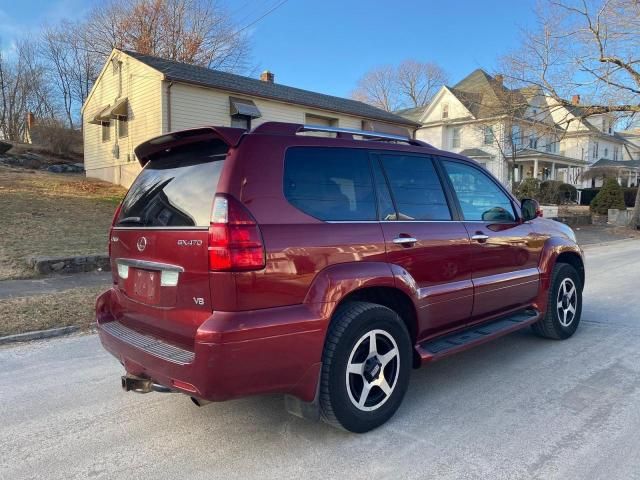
{"points": [[411, 84], [200, 32], [71, 68], [23, 89], [418, 82], [585, 45], [378, 87]]}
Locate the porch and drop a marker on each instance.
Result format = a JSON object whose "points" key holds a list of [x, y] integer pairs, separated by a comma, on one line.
{"points": [[547, 166]]}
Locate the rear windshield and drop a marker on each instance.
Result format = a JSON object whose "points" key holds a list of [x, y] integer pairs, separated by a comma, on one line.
{"points": [[175, 188]]}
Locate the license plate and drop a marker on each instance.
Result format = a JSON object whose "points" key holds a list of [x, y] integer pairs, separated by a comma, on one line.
{"points": [[146, 285]]}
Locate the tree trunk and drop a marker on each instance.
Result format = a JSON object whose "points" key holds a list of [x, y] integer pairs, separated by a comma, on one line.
{"points": [[635, 216]]}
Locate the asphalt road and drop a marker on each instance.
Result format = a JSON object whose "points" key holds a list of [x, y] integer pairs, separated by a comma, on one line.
{"points": [[521, 407]]}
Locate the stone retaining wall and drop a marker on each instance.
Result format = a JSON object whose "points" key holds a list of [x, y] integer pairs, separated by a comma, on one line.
{"points": [[75, 264]]}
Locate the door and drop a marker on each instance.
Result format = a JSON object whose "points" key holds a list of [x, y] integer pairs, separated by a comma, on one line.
{"points": [[159, 242], [505, 251], [424, 239]]}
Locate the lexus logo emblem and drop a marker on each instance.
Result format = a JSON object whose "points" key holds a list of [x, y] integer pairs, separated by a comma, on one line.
{"points": [[142, 244]]}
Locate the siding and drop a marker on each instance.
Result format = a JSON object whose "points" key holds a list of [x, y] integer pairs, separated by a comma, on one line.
{"points": [[142, 86], [193, 106]]}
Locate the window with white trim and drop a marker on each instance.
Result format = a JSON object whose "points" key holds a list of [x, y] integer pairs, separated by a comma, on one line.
{"points": [[488, 135], [106, 131], [455, 137]]}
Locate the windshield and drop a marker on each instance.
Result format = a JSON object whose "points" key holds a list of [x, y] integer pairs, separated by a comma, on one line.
{"points": [[176, 188]]}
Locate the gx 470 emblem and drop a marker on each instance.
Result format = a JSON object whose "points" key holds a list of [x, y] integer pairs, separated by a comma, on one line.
{"points": [[189, 243]]}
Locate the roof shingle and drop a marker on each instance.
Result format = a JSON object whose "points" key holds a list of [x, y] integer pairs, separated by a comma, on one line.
{"points": [[193, 74]]}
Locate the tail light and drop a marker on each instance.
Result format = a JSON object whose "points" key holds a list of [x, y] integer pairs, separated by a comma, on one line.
{"points": [[235, 241], [113, 222]]}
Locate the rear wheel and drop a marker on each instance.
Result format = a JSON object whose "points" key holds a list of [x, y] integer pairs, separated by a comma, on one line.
{"points": [[366, 366], [564, 306]]}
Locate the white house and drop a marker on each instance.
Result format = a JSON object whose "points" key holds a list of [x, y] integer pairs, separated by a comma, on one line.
{"points": [[480, 118], [137, 97]]}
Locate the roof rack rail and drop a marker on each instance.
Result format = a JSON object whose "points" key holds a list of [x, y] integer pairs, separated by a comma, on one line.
{"points": [[283, 128], [346, 132]]}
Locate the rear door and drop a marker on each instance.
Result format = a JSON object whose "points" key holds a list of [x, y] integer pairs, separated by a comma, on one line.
{"points": [[423, 237], [505, 252], [159, 241]]}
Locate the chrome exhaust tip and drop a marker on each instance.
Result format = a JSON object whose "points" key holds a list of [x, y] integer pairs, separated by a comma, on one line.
{"points": [[131, 383]]}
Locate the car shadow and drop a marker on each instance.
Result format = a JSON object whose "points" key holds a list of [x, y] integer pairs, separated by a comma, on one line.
{"points": [[463, 382]]}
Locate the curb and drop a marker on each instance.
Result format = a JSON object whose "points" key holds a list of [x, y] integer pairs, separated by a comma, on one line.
{"points": [[38, 335], [590, 246]]}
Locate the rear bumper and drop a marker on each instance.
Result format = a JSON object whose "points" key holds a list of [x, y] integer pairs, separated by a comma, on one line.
{"points": [[234, 354]]}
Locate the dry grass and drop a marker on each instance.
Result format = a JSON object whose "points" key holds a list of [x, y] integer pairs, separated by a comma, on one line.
{"points": [[40, 312], [45, 214]]}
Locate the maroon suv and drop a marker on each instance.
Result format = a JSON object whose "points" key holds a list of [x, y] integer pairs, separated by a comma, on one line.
{"points": [[321, 268]]}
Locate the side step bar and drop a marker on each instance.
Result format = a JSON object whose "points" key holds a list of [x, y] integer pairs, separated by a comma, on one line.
{"points": [[441, 347]]}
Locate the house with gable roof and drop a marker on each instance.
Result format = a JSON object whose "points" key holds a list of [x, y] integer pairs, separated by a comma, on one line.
{"points": [[483, 119]]}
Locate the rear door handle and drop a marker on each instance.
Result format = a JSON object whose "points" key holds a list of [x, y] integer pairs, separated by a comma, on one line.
{"points": [[480, 237], [404, 240]]}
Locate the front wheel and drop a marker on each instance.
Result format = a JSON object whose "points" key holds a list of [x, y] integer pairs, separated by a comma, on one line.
{"points": [[366, 366], [564, 306]]}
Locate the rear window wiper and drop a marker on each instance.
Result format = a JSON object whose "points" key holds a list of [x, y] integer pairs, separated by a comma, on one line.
{"points": [[137, 220]]}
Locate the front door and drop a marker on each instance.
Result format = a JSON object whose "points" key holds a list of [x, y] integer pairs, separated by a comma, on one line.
{"points": [[505, 251], [424, 241]]}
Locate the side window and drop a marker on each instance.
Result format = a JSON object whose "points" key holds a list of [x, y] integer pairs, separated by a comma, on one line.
{"points": [[479, 197], [416, 188], [330, 183]]}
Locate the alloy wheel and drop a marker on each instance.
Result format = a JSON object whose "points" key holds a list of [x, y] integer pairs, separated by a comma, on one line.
{"points": [[372, 370], [567, 302]]}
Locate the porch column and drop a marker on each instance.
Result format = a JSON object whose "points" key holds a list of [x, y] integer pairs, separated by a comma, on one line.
{"points": [[553, 171], [535, 168], [636, 184]]}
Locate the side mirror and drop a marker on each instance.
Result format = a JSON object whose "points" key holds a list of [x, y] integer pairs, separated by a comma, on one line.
{"points": [[530, 209]]}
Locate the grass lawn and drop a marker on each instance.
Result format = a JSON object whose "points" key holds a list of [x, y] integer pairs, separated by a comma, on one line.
{"points": [[40, 312], [46, 214]]}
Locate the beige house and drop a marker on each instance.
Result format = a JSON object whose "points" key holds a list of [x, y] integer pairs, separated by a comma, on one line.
{"points": [[480, 118], [137, 97]]}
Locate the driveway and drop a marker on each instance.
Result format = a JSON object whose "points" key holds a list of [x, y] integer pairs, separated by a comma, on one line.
{"points": [[521, 407]]}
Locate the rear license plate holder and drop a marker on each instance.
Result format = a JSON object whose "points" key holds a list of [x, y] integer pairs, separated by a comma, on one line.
{"points": [[145, 285]]}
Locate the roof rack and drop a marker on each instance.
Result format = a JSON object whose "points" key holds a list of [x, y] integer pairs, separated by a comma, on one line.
{"points": [[282, 128]]}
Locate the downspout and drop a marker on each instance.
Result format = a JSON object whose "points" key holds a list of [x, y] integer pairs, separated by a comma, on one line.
{"points": [[169, 106]]}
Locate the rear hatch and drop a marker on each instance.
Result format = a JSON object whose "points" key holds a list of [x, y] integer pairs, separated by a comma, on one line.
{"points": [[159, 238]]}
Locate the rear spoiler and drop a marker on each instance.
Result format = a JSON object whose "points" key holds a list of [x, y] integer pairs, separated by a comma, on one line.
{"points": [[230, 136]]}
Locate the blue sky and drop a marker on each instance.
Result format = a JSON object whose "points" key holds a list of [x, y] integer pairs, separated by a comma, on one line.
{"points": [[327, 45]]}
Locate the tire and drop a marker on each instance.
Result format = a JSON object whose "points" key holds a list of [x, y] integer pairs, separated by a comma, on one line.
{"points": [[565, 295], [383, 372]]}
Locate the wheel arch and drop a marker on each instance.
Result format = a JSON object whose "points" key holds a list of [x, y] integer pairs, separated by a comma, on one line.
{"points": [[390, 297], [575, 260]]}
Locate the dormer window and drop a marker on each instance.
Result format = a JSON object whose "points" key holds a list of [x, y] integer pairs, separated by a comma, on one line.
{"points": [[445, 111]]}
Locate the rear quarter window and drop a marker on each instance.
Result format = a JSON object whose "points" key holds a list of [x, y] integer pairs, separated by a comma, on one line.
{"points": [[332, 184], [175, 188]]}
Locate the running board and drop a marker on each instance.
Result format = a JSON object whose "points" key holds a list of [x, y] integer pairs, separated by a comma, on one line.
{"points": [[441, 347]]}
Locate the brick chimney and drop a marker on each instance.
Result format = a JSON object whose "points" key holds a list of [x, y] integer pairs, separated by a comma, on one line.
{"points": [[499, 78], [31, 120], [575, 99], [267, 76]]}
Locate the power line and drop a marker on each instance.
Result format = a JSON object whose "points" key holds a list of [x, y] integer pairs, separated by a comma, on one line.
{"points": [[268, 12]]}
